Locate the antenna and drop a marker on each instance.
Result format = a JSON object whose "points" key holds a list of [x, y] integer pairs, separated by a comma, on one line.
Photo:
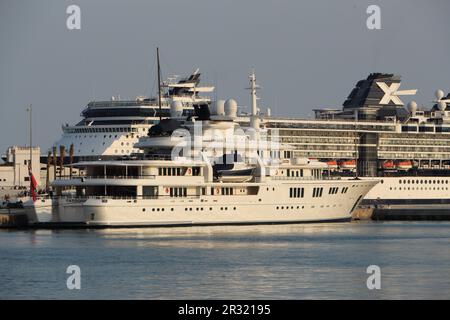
{"points": [[440, 100], [29, 109], [159, 84], [253, 87]]}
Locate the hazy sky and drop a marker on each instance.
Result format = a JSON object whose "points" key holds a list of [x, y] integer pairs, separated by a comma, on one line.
{"points": [[307, 54]]}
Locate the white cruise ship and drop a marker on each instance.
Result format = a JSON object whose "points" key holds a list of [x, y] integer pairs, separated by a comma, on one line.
{"points": [[109, 129], [205, 169]]}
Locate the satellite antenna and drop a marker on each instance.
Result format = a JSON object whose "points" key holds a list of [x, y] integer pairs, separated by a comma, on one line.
{"points": [[441, 103]]}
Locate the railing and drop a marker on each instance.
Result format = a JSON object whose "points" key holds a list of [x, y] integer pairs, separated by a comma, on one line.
{"points": [[305, 178], [106, 177], [157, 157], [131, 198]]}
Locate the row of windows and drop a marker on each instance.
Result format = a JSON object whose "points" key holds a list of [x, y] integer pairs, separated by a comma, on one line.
{"points": [[178, 192], [321, 140], [224, 191], [92, 130], [296, 192], [170, 171], [233, 208], [333, 190], [317, 192], [294, 173], [344, 190], [178, 171], [417, 188], [210, 209], [423, 181]]}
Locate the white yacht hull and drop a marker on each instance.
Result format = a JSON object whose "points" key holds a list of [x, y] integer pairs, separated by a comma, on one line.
{"points": [[272, 205], [40, 211]]}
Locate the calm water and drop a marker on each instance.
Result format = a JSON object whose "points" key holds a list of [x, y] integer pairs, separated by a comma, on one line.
{"points": [[274, 262]]}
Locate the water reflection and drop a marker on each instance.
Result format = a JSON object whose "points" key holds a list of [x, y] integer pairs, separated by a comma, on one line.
{"points": [[243, 262]]}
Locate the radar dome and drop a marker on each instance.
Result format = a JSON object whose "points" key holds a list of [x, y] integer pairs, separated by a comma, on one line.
{"points": [[231, 108], [176, 109], [442, 105], [439, 94], [219, 108], [412, 107]]}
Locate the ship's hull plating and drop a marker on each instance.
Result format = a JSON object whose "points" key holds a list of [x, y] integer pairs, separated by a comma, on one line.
{"points": [[410, 198], [273, 205]]}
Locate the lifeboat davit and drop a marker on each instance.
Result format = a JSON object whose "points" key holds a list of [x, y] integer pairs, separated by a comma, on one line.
{"points": [[404, 165], [347, 164]]}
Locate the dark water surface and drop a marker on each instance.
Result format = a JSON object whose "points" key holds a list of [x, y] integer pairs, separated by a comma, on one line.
{"points": [[317, 261]]}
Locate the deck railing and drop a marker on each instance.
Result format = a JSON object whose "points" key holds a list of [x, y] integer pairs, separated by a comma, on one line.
{"points": [[106, 177]]}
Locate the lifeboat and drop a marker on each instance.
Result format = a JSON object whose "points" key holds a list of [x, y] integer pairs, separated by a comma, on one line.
{"points": [[347, 164], [233, 172], [404, 165], [388, 165], [332, 164]]}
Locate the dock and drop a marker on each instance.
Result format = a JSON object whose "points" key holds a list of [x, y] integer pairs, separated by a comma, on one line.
{"points": [[13, 218]]}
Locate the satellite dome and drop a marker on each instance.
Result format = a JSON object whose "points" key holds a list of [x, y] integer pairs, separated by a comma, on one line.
{"points": [[176, 109], [412, 107], [230, 108], [442, 105], [439, 94], [219, 108]]}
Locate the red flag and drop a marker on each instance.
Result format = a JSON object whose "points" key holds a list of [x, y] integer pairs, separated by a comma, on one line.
{"points": [[33, 184]]}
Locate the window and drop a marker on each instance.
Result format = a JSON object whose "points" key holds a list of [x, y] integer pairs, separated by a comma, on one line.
{"points": [[317, 192]]}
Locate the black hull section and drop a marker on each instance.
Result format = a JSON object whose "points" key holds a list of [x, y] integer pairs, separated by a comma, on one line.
{"points": [[410, 209]]}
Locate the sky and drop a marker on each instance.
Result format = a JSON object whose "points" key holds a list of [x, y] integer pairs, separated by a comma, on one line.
{"points": [[306, 54]]}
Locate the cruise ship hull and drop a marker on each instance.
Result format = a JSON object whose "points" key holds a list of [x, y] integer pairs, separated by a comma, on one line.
{"points": [[268, 207], [410, 198]]}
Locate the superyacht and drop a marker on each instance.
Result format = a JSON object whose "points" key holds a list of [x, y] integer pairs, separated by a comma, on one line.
{"points": [[205, 169]]}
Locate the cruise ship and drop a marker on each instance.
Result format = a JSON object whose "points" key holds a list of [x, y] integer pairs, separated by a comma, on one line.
{"points": [[109, 129], [205, 169], [371, 135], [374, 135]]}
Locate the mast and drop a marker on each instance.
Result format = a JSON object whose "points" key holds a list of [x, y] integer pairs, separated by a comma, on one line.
{"points": [[31, 141], [159, 84], [254, 120]]}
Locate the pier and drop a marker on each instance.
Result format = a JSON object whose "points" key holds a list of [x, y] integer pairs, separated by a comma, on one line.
{"points": [[13, 218]]}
